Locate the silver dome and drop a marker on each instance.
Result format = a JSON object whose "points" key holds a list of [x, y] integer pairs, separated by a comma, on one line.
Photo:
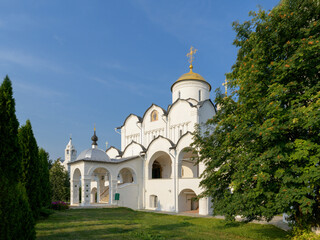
{"points": [[93, 154]]}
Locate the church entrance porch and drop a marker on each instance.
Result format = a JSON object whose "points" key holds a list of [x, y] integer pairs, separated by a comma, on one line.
{"points": [[100, 186], [188, 202]]}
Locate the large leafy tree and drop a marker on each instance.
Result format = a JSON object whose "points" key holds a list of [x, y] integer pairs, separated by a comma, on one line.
{"points": [[59, 180], [16, 221], [31, 164], [44, 178], [262, 148]]}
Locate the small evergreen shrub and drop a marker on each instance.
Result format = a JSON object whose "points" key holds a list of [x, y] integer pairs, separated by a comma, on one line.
{"points": [[59, 205], [45, 212]]}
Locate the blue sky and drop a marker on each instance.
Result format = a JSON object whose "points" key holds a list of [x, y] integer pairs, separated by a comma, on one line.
{"points": [[76, 63]]}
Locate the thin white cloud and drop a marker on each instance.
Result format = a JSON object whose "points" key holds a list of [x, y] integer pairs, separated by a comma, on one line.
{"points": [[133, 87], [36, 90], [180, 21], [18, 22], [28, 61]]}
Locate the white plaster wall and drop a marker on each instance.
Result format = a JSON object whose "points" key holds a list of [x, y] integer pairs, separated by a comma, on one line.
{"points": [[152, 129], [182, 117], [134, 197], [190, 89], [190, 183], [112, 152], [164, 190], [206, 112], [129, 196], [130, 131], [132, 149], [189, 170]]}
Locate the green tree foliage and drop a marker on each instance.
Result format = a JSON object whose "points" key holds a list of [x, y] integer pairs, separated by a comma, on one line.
{"points": [[59, 180], [44, 178], [16, 221], [10, 159], [262, 148], [31, 176]]}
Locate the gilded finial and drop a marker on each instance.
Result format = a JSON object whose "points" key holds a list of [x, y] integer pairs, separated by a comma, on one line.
{"points": [[190, 55], [225, 84], [94, 128]]}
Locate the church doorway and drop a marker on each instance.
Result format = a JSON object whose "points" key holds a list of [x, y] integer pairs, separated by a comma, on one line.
{"points": [[160, 166], [100, 182], [188, 201], [156, 170]]}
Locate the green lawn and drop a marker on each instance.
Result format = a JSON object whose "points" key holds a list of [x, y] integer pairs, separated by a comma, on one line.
{"points": [[123, 223]]}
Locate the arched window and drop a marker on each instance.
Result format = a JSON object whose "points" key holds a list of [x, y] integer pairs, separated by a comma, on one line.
{"points": [[154, 115], [179, 94], [156, 170], [199, 95]]}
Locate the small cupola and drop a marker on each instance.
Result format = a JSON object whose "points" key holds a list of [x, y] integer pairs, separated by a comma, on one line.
{"points": [[191, 84], [94, 139]]}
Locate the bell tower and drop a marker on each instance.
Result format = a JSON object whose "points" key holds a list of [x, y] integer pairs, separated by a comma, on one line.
{"points": [[70, 154]]}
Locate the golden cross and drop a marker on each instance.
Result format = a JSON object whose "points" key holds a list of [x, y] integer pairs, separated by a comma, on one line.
{"points": [[94, 128], [225, 84], [190, 54]]}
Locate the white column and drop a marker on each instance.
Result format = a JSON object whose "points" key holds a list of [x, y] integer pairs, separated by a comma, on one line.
{"points": [[112, 190], [205, 206], [98, 188], [176, 177], [86, 187], [74, 192]]}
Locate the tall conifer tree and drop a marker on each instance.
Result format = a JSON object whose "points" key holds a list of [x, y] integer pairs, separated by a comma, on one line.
{"points": [[16, 221], [30, 167], [44, 178], [10, 158]]}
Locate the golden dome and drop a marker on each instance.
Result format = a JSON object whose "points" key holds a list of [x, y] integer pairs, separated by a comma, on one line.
{"points": [[192, 76]]}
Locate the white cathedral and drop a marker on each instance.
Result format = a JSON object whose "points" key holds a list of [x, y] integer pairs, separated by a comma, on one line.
{"points": [[154, 169]]}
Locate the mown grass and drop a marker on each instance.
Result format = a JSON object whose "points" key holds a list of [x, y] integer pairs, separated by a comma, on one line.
{"points": [[124, 223]]}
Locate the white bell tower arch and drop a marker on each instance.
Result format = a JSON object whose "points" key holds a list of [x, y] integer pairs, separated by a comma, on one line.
{"points": [[70, 155]]}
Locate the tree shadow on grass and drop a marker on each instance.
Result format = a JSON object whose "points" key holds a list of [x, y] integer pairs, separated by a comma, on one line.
{"points": [[170, 227], [101, 233], [259, 231]]}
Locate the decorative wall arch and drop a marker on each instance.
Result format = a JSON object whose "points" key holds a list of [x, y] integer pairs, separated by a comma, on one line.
{"points": [[132, 171], [187, 164], [163, 167], [93, 168], [154, 107], [187, 200], [76, 174], [137, 148]]}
